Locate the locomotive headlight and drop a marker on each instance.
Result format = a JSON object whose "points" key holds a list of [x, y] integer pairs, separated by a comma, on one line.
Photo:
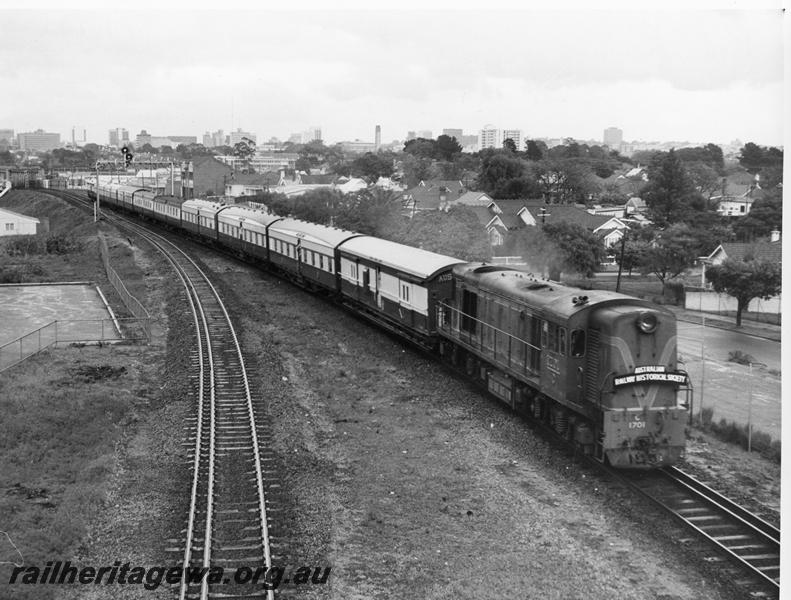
{"points": [[647, 322]]}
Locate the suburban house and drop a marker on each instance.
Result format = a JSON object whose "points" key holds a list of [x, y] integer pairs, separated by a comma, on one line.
{"points": [[432, 195], [771, 250], [737, 194], [705, 299], [12, 223]]}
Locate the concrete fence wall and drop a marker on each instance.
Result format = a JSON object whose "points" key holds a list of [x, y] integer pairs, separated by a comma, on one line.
{"points": [[715, 303]]}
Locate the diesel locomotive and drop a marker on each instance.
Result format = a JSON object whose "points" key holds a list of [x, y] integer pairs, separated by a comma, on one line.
{"points": [[599, 367]]}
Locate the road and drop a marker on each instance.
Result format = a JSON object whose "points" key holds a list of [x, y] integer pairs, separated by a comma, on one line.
{"points": [[726, 386]]}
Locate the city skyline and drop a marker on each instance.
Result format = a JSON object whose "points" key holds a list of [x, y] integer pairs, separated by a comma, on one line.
{"points": [[657, 75]]}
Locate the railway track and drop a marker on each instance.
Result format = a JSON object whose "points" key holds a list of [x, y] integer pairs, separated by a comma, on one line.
{"points": [[752, 544], [735, 532], [228, 521]]}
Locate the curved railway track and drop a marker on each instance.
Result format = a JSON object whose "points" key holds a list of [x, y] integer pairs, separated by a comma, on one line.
{"points": [[227, 524], [742, 536], [751, 543]]}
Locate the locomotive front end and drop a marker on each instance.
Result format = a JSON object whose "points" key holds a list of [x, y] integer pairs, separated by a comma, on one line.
{"points": [[644, 397]]}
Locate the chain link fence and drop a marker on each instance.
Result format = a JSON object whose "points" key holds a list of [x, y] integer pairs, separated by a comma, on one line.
{"points": [[132, 304], [76, 331]]}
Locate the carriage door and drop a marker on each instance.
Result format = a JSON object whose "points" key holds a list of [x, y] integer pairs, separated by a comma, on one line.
{"points": [[299, 256], [379, 302]]}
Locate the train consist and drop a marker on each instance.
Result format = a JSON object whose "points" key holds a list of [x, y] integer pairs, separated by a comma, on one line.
{"points": [[599, 367]]}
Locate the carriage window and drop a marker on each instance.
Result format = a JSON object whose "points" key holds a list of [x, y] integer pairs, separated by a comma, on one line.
{"points": [[578, 343], [562, 340]]}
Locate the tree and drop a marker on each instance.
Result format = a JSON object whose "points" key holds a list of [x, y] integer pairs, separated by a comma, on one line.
{"points": [[566, 180], [672, 252], [670, 191], [447, 147], [456, 233], [755, 158], [582, 251], [420, 147], [765, 216], [373, 211], [498, 166], [372, 166], [535, 150], [510, 145], [633, 252], [416, 169], [745, 280], [244, 150]]}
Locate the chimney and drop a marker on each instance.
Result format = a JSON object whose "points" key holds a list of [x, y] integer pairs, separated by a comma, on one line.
{"points": [[775, 236]]}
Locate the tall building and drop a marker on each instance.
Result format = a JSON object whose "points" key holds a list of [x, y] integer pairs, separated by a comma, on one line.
{"points": [[38, 141], [457, 133], [79, 136], [411, 135], [312, 134], [6, 138], [425, 134], [514, 134], [377, 137], [613, 137], [490, 137], [118, 137], [469, 143]]}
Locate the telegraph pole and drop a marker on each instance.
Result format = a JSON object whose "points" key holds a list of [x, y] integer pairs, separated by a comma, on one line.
{"points": [[620, 263]]}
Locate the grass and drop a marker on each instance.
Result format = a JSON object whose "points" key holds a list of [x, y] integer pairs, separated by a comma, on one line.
{"points": [[63, 413], [62, 417], [734, 433]]}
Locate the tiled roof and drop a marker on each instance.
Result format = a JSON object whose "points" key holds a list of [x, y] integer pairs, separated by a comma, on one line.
{"points": [[473, 199], [318, 179], [427, 196], [556, 213], [772, 251]]}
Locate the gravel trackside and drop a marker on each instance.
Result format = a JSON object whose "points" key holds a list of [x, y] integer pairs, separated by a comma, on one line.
{"points": [[411, 483]]}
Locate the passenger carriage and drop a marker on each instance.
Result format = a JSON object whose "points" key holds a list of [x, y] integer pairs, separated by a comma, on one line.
{"points": [[200, 217], [167, 209], [398, 283], [307, 250], [143, 202], [244, 229]]}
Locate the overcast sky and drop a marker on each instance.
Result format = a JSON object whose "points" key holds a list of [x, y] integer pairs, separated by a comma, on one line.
{"points": [[663, 75]]}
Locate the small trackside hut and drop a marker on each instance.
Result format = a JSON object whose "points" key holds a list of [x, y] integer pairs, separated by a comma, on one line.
{"points": [[397, 285]]}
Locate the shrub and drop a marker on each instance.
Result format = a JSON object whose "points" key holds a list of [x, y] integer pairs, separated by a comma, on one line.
{"points": [[740, 357]]}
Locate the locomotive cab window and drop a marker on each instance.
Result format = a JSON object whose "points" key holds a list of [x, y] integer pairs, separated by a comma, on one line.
{"points": [[578, 343]]}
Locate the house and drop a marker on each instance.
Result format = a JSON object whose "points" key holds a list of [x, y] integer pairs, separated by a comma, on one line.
{"points": [[12, 223], [496, 230], [771, 250], [355, 184], [635, 206], [204, 176], [471, 199], [249, 184], [432, 195], [737, 194]]}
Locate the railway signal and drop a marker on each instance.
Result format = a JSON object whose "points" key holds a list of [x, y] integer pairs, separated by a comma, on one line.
{"points": [[128, 156]]}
